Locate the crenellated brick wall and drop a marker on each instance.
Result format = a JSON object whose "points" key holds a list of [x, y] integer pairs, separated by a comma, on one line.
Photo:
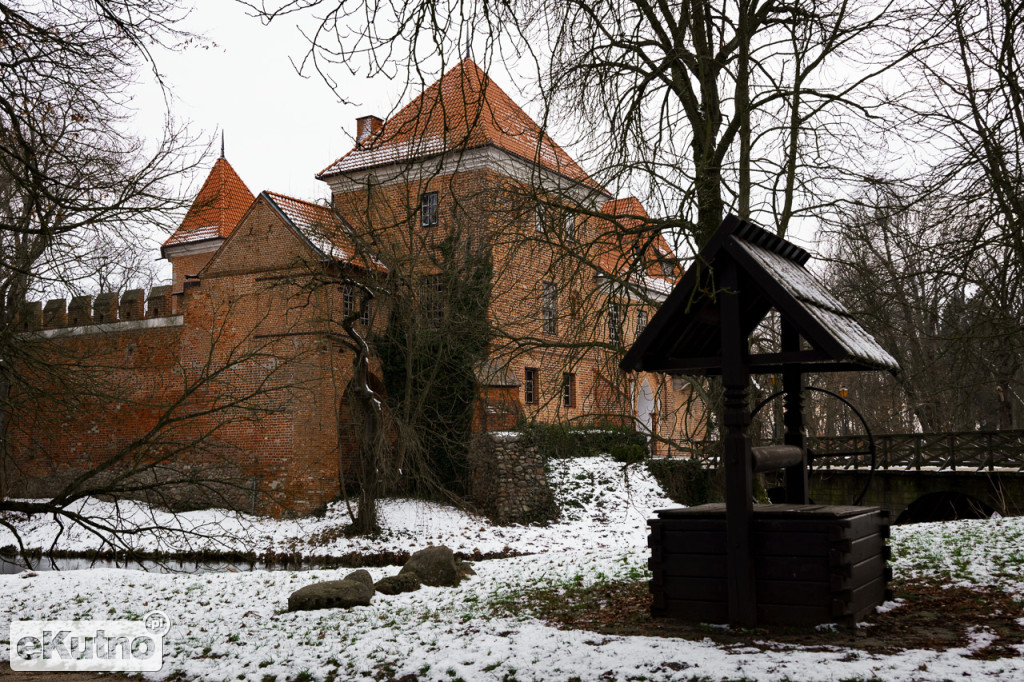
{"points": [[105, 309]]}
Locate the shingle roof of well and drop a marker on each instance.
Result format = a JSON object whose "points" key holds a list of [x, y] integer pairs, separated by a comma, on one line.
{"points": [[463, 110], [218, 207]]}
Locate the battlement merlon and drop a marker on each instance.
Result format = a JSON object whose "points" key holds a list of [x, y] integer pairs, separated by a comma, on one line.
{"points": [[106, 309]]}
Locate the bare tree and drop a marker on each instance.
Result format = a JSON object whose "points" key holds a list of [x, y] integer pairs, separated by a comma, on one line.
{"points": [[695, 107], [146, 423], [933, 260], [968, 108], [76, 191], [79, 195]]}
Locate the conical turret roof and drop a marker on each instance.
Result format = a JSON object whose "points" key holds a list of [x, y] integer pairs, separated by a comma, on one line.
{"points": [[217, 208]]}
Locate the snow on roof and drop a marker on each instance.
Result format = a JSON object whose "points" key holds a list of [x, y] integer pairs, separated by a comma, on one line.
{"points": [[797, 280], [319, 224], [197, 234], [825, 308], [854, 338], [217, 209], [463, 110]]}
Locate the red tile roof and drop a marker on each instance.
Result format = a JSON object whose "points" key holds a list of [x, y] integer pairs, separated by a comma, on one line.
{"points": [[321, 227], [465, 109], [218, 207], [617, 243]]}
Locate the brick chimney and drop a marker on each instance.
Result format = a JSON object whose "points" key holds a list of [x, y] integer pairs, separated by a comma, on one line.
{"points": [[367, 126]]}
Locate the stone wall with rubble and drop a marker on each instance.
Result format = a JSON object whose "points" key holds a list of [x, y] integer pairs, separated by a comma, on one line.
{"points": [[507, 481]]}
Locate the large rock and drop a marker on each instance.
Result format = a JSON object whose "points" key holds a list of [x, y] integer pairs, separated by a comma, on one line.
{"points": [[396, 584], [332, 594], [361, 576], [434, 566]]}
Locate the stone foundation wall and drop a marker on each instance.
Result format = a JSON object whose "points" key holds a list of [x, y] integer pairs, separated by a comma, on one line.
{"points": [[507, 481]]}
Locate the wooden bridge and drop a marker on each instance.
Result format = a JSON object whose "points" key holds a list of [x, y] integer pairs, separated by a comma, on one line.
{"points": [[918, 475]]}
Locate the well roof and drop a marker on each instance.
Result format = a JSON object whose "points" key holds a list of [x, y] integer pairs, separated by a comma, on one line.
{"points": [[684, 335]]}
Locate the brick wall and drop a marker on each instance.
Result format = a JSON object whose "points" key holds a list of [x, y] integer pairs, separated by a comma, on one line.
{"points": [[500, 215], [255, 347]]}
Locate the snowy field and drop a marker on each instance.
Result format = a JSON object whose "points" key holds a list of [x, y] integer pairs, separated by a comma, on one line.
{"points": [[603, 507], [233, 626]]}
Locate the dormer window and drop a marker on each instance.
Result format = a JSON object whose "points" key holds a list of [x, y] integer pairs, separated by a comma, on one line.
{"points": [[428, 209]]}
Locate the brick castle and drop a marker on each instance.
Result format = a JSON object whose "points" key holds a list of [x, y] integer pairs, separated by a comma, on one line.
{"points": [[240, 366]]}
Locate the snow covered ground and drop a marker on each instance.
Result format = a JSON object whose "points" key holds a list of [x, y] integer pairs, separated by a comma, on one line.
{"points": [[233, 626], [604, 506]]}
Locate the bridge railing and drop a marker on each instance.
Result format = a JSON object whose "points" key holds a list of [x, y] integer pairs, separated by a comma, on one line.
{"points": [[960, 450]]}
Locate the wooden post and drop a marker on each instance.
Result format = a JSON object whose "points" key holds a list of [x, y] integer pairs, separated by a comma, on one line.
{"points": [[792, 384], [739, 489]]}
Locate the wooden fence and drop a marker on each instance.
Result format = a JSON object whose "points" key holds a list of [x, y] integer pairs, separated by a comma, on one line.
{"points": [[962, 450]]}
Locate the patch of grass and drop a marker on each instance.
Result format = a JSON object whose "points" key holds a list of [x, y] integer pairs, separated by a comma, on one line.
{"points": [[574, 601]]}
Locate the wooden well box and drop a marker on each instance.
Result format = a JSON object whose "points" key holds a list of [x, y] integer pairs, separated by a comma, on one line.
{"points": [[812, 563]]}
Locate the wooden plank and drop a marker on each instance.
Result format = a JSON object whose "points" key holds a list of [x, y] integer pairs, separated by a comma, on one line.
{"points": [[866, 597], [695, 565], [793, 593], [856, 551], [697, 611], [785, 614], [792, 544], [700, 542], [795, 569], [852, 526], [700, 589], [852, 576], [771, 592], [703, 524]]}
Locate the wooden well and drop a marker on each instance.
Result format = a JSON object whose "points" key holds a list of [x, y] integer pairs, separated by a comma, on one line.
{"points": [[813, 563], [743, 563]]}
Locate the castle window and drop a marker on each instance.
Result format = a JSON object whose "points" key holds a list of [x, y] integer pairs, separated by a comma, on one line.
{"points": [[549, 308], [530, 386], [540, 218], [570, 227], [641, 321], [667, 268], [614, 323], [428, 209], [432, 299], [348, 300], [364, 312], [569, 389]]}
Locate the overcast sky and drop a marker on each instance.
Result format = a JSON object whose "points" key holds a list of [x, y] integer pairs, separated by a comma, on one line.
{"points": [[280, 128]]}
